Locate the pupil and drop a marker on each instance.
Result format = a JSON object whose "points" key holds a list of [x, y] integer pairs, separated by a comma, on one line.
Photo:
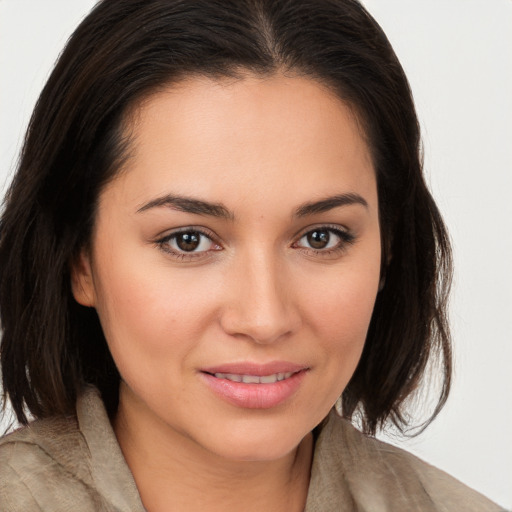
{"points": [[188, 241], [318, 239]]}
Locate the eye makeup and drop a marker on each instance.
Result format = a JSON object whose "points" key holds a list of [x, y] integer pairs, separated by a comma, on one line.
{"points": [[325, 241], [195, 243], [188, 243]]}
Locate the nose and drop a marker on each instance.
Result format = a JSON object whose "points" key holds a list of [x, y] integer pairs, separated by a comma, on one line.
{"points": [[260, 304]]}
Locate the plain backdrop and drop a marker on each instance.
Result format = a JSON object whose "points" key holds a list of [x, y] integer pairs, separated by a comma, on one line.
{"points": [[458, 57]]}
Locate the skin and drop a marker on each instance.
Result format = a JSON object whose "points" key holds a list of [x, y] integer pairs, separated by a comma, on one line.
{"points": [[256, 292]]}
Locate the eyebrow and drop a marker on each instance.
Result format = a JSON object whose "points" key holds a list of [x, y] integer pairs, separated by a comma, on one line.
{"points": [[324, 205], [199, 207], [189, 205]]}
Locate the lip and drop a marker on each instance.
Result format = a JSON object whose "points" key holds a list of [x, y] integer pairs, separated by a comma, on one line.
{"points": [[248, 368], [255, 396]]}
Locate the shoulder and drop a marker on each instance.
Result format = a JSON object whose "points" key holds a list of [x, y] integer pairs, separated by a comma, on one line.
{"points": [[45, 466], [380, 477]]}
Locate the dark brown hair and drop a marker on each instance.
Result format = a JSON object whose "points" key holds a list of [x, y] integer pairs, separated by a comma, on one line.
{"points": [[126, 49]]}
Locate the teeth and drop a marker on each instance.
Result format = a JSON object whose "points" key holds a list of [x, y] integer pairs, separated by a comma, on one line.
{"points": [[254, 379], [250, 379]]}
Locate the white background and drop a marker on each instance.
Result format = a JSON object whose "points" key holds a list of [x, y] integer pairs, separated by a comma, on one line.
{"points": [[458, 57]]}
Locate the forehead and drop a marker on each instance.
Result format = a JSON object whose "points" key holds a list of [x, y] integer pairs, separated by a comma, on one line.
{"points": [[233, 138]]}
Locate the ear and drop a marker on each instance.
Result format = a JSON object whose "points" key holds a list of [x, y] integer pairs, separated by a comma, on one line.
{"points": [[82, 283]]}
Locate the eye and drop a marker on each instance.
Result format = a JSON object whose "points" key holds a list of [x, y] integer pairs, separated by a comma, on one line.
{"points": [[325, 240], [188, 242]]}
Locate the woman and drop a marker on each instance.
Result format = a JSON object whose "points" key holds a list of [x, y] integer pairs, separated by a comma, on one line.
{"points": [[219, 227]]}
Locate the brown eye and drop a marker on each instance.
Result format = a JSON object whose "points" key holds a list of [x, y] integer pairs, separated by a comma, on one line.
{"points": [[325, 240], [189, 241], [319, 238]]}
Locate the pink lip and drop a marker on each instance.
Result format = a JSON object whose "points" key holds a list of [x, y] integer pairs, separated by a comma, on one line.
{"points": [[255, 396]]}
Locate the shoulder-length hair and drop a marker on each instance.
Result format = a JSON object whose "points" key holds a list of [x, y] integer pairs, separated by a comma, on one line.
{"points": [[125, 50]]}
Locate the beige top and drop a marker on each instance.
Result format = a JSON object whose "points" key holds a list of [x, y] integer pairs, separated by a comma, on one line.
{"points": [[75, 464]]}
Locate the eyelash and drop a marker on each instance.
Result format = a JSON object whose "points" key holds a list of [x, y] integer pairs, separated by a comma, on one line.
{"points": [[163, 243], [346, 239]]}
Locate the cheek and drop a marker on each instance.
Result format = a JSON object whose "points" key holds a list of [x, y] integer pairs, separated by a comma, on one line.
{"points": [[340, 312], [342, 328], [147, 314], [343, 301]]}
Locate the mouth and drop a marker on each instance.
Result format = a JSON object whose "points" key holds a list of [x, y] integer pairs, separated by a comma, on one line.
{"points": [[254, 379], [255, 387]]}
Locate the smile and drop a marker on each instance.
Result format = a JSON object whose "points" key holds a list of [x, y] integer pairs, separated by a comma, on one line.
{"points": [[255, 386], [255, 379]]}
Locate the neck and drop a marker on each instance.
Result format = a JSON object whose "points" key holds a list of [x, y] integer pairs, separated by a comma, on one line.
{"points": [[172, 472]]}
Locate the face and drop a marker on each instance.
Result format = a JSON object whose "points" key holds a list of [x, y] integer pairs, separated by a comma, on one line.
{"points": [[235, 261]]}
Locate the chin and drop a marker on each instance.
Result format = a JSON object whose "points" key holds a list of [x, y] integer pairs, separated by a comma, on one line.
{"points": [[253, 440], [264, 451]]}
